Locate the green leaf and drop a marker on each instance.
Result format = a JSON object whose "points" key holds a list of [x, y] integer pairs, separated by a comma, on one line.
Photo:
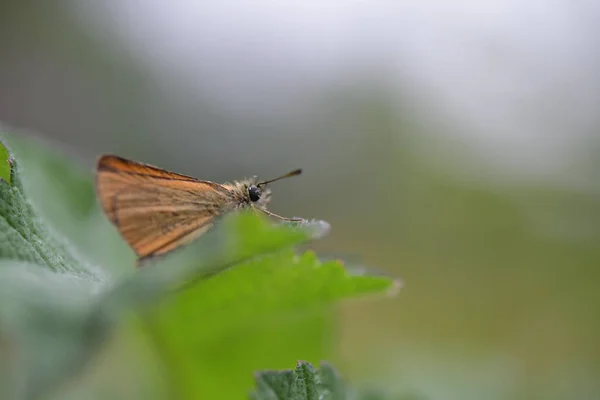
{"points": [[267, 310], [46, 293], [236, 238], [308, 383], [23, 237], [62, 192]]}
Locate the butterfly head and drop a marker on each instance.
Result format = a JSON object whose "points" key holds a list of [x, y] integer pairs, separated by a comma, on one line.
{"points": [[258, 194], [255, 193]]}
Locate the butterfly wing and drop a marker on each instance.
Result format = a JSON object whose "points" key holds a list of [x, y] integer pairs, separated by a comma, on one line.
{"points": [[155, 210]]}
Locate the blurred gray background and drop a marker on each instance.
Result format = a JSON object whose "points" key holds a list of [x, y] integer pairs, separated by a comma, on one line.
{"points": [[452, 144]]}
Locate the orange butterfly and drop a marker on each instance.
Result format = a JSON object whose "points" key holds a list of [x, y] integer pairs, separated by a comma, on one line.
{"points": [[157, 211]]}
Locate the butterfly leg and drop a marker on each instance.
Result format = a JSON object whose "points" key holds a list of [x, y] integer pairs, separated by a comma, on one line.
{"points": [[269, 213]]}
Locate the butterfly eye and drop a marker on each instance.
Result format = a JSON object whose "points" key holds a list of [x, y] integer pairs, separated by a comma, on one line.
{"points": [[254, 193]]}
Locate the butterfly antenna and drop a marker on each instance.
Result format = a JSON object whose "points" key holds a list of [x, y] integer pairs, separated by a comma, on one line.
{"points": [[289, 174]]}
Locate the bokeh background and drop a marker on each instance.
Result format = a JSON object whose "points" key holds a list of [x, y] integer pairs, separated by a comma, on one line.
{"points": [[453, 145]]}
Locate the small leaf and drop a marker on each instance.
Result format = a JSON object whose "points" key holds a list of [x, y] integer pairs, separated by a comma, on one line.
{"points": [[304, 383], [5, 164], [308, 383]]}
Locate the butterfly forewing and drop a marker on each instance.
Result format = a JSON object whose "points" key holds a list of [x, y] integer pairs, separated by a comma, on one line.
{"points": [[156, 210]]}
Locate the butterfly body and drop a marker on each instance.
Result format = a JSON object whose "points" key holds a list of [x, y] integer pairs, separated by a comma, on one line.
{"points": [[240, 193], [157, 211]]}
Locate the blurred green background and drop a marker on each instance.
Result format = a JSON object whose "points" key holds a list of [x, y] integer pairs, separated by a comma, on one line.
{"points": [[451, 144]]}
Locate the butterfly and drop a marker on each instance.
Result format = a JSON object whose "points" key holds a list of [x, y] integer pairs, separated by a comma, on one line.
{"points": [[157, 211]]}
